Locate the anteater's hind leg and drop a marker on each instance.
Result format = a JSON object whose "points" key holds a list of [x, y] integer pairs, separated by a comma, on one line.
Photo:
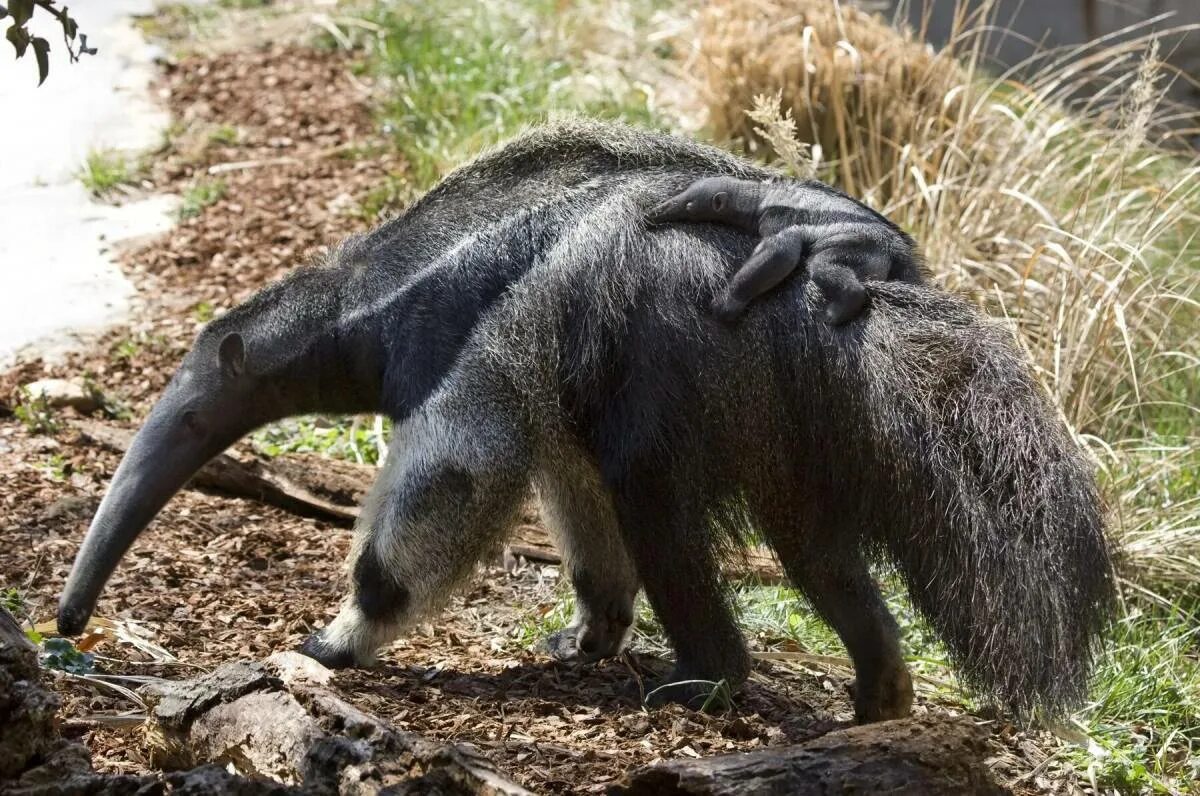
{"points": [[841, 589], [580, 513], [674, 555], [455, 478]]}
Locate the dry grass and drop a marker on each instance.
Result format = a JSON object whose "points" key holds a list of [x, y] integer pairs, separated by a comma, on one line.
{"points": [[1063, 217]]}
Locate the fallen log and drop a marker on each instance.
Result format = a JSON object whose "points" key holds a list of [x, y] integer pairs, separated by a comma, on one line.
{"points": [[276, 721], [908, 756]]}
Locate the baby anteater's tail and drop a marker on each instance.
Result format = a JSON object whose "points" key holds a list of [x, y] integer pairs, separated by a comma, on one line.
{"points": [[998, 530]]}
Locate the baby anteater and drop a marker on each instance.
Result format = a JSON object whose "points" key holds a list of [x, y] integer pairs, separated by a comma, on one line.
{"points": [[842, 241], [523, 327]]}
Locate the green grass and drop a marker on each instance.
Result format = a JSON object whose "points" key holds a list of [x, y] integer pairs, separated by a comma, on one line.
{"points": [[36, 414], [198, 196], [104, 171], [329, 436], [465, 74], [1144, 721], [226, 134]]}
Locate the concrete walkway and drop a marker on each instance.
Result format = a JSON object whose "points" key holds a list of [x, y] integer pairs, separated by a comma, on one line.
{"points": [[58, 282]]}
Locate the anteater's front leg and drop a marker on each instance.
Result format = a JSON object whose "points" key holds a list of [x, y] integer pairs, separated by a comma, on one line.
{"points": [[452, 486]]}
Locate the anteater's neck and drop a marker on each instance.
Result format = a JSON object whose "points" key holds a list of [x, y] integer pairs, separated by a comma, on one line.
{"points": [[379, 331]]}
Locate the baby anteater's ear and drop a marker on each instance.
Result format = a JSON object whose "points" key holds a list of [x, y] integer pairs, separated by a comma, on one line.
{"points": [[232, 355]]}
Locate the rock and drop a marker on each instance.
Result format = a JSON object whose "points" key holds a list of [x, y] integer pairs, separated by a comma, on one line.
{"points": [[61, 393]]}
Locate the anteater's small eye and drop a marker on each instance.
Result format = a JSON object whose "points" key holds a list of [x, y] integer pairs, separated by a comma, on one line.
{"points": [[191, 421], [718, 201]]}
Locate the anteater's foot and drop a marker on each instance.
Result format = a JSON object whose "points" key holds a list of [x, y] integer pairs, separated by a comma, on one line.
{"points": [[330, 655], [889, 697], [585, 642], [727, 309], [845, 308]]}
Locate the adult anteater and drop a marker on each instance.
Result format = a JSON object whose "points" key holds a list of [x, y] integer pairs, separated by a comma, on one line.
{"points": [[523, 326]]}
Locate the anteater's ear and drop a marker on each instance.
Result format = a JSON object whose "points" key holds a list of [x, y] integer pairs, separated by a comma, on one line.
{"points": [[232, 354]]}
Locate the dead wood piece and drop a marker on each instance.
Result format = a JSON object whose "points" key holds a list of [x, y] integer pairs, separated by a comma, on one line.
{"points": [[26, 709], [304, 735], [909, 756]]}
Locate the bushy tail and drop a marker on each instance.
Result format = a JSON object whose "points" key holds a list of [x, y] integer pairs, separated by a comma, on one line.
{"points": [[999, 530]]}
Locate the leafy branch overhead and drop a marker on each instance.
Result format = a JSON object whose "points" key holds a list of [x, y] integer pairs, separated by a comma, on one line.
{"points": [[21, 11]]}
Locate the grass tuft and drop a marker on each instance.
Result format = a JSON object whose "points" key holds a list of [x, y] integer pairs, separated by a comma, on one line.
{"points": [[198, 196], [105, 171], [463, 75]]}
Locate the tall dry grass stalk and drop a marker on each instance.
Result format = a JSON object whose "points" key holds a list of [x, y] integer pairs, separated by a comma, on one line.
{"points": [[1069, 218]]}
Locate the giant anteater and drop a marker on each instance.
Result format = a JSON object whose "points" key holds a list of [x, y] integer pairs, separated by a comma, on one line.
{"points": [[522, 325]]}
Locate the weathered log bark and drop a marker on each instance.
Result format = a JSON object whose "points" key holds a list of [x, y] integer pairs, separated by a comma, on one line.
{"points": [[26, 709], [276, 721], [908, 756]]}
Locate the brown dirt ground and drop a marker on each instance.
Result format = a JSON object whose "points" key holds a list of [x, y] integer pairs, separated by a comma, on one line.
{"points": [[217, 577]]}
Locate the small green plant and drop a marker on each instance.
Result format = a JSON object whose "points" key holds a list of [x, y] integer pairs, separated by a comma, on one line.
{"points": [[541, 621], [36, 414], [104, 171], [226, 135], [200, 195], [61, 654], [180, 23], [127, 349], [338, 437], [386, 199], [13, 601], [204, 312], [57, 467]]}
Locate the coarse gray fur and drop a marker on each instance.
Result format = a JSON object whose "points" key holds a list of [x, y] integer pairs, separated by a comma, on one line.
{"points": [[522, 325]]}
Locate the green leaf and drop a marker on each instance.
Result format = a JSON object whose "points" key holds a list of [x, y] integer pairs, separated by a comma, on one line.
{"points": [[34, 636], [3, 12], [69, 25], [41, 51], [21, 10], [61, 654], [19, 39]]}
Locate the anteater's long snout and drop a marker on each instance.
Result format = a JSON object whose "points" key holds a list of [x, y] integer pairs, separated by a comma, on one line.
{"points": [[163, 457]]}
